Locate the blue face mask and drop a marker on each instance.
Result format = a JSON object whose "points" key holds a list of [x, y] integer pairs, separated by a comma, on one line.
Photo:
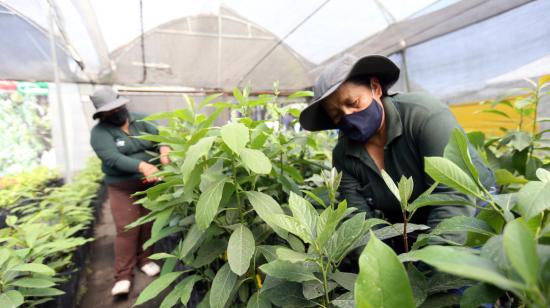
{"points": [[362, 125]]}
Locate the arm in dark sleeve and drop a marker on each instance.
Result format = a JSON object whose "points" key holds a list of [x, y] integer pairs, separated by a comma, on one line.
{"points": [[104, 146], [433, 136], [349, 190]]}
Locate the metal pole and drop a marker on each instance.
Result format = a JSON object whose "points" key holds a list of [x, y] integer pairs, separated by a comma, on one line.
{"points": [[66, 151]]}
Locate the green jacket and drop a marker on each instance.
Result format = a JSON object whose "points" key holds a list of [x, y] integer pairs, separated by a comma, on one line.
{"points": [[119, 152], [418, 126]]}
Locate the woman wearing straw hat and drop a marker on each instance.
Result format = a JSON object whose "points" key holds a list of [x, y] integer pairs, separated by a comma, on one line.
{"points": [[128, 169], [383, 132]]}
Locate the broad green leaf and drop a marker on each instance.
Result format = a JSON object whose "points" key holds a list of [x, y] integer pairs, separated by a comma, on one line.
{"points": [[344, 301], [160, 235], [256, 161], [446, 172], [290, 255], [520, 246], [406, 186], [304, 212], [465, 264], [240, 249], [208, 204], [479, 295], [327, 222], [181, 292], [33, 267], [285, 293], [193, 154], [381, 277], [533, 199], [493, 250], [160, 256], [543, 175], [505, 177], [209, 251], [517, 140], [437, 200], [268, 252], [297, 272], [235, 136], [212, 175], [156, 286], [443, 282], [346, 280], [208, 99], [222, 286], [193, 238], [266, 207], [292, 225], [390, 184], [457, 151], [314, 289], [419, 285], [497, 112], [32, 283], [11, 299], [345, 237], [257, 300], [463, 224], [301, 94], [43, 292]]}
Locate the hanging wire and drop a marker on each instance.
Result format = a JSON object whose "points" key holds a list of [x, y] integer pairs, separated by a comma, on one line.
{"points": [[282, 40], [142, 41]]}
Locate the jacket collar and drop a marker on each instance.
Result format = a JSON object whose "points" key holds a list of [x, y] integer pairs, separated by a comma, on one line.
{"points": [[393, 125]]}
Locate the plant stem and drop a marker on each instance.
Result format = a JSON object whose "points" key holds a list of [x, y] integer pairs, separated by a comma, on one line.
{"points": [[325, 281], [405, 236], [239, 205]]}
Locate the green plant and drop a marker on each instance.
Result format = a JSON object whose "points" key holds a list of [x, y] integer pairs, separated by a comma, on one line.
{"points": [[24, 185], [221, 191], [517, 155], [37, 245], [512, 235]]}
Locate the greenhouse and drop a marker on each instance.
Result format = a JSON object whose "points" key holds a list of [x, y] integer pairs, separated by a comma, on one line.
{"points": [[241, 153]]}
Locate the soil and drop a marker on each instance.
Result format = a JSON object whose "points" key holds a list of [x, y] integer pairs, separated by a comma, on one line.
{"points": [[97, 283]]}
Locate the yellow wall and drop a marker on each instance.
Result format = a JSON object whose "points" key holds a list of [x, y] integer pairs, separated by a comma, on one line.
{"points": [[471, 119]]}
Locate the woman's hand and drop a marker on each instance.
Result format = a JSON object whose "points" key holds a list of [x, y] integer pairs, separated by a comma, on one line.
{"points": [[148, 170], [164, 158]]}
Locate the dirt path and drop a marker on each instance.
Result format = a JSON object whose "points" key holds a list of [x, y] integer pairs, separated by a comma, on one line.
{"points": [[99, 279]]}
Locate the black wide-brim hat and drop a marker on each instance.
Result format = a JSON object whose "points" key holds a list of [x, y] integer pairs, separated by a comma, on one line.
{"points": [[314, 116]]}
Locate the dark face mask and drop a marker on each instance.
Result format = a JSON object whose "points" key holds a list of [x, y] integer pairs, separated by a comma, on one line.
{"points": [[117, 118], [362, 125]]}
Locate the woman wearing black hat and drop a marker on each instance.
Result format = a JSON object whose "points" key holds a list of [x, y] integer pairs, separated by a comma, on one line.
{"points": [[383, 132], [128, 169]]}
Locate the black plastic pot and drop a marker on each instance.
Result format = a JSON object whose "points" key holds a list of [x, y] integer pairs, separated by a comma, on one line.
{"points": [[3, 214], [79, 259]]}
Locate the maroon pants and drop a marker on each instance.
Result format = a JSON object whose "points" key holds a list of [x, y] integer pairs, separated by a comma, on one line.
{"points": [[129, 242]]}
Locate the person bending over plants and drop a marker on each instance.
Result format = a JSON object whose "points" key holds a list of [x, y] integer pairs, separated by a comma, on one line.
{"points": [[379, 131], [126, 162]]}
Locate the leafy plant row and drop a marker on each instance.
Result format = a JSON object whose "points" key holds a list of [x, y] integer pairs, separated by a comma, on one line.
{"points": [[254, 204], [24, 185], [40, 238]]}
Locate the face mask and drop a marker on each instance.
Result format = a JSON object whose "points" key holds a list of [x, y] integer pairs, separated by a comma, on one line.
{"points": [[117, 118], [362, 125]]}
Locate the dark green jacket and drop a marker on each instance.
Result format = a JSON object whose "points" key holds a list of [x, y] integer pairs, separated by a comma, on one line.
{"points": [[119, 152], [418, 126]]}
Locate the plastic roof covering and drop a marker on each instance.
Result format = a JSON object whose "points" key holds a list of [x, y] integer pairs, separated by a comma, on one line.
{"points": [[452, 48], [97, 28]]}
